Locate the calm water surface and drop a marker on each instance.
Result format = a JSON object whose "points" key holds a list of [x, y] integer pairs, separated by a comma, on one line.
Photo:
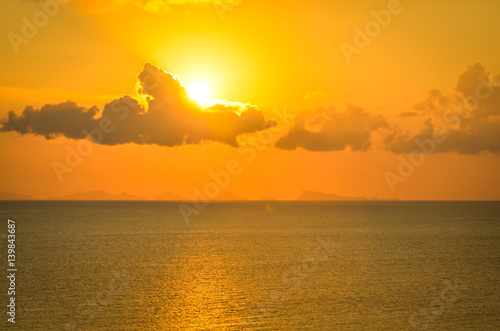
{"points": [[256, 266]]}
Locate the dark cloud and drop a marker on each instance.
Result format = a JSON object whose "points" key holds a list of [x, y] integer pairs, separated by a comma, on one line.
{"points": [[52, 120], [170, 118], [330, 130], [409, 114], [435, 101], [468, 117]]}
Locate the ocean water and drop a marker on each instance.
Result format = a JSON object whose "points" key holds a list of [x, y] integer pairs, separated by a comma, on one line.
{"points": [[254, 266]]}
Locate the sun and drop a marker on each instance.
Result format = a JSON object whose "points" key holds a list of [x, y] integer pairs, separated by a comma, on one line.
{"points": [[199, 91]]}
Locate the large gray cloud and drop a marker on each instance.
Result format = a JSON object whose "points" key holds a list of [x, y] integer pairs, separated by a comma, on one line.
{"points": [[468, 118], [330, 130], [170, 118], [52, 120]]}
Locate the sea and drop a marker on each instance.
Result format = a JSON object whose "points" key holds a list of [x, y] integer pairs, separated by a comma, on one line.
{"points": [[265, 265]]}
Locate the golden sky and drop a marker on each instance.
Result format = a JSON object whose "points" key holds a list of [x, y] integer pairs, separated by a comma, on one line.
{"points": [[386, 99]]}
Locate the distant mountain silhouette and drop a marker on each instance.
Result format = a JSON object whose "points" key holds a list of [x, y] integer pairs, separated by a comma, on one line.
{"points": [[98, 195], [227, 196], [319, 196], [4, 195], [224, 196], [169, 196]]}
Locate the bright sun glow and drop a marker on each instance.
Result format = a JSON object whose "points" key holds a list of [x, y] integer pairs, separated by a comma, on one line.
{"points": [[199, 91]]}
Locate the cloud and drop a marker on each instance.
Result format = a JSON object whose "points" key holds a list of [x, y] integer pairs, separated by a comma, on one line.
{"points": [[167, 118], [315, 95], [330, 130], [164, 114], [52, 120], [155, 6], [408, 114], [468, 116]]}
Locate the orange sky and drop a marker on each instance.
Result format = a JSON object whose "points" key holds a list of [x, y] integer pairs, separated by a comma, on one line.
{"points": [[354, 116]]}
